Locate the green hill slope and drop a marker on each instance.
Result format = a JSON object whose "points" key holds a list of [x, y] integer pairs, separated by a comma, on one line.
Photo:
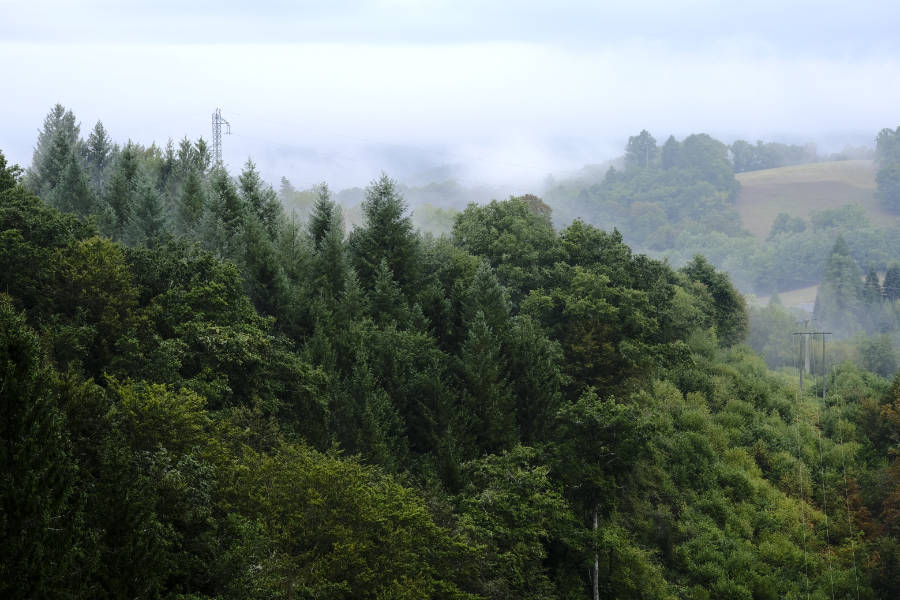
{"points": [[799, 190]]}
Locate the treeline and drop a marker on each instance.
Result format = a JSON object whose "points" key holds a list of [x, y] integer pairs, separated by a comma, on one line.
{"points": [[770, 155], [677, 200], [204, 397]]}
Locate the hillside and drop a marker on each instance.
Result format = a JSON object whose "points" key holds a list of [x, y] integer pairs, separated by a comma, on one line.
{"points": [[799, 190]]}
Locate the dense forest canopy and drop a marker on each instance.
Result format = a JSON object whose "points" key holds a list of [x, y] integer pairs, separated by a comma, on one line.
{"points": [[207, 397]]}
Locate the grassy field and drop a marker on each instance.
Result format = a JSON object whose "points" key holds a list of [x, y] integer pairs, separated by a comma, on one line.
{"points": [[801, 189], [796, 297]]}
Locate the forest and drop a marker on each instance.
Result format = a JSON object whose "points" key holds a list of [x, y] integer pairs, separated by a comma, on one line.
{"points": [[208, 396]]}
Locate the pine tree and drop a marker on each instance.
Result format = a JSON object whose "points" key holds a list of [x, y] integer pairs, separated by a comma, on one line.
{"points": [[487, 296], [326, 216], [97, 157], [263, 273], [121, 190], [386, 300], [487, 415], [365, 420], [872, 292], [839, 302], [387, 235], [671, 153], [330, 264], [56, 139], [202, 156], [260, 198], [148, 220], [892, 282], [184, 157], [72, 194], [191, 203]]}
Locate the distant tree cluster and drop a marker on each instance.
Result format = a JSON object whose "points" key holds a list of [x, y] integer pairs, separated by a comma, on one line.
{"points": [[887, 156], [769, 155], [677, 200]]}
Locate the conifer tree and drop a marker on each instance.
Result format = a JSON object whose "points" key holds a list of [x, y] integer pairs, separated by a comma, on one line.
{"points": [[487, 415], [839, 301], [202, 156], [260, 198], [487, 296], [671, 153], [57, 138], [98, 153], [147, 221], [48, 174], [263, 273], [326, 216], [365, 420], [892, 282], [386, 300], [191, 203], [224, 216], [120, 193], [387, 234], [872, 288], [71, 193]]}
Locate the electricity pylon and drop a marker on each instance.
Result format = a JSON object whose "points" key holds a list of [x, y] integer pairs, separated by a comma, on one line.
{"points": [[217, 121]]}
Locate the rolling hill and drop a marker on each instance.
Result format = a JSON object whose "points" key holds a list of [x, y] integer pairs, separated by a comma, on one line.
{"points": [[801, 189]]}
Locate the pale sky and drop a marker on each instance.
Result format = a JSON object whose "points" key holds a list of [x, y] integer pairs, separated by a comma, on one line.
{"points": [[504, 91]]}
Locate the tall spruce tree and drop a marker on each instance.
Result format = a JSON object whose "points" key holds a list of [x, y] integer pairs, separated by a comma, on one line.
{"points": [[191, 202], [839, 301], [121, 192], [325, 218], [260, 198], [892, 282], [56, 139], [148, 220], [872, 292], [487, 413], [72, 192], [98, 152], [386, 235]]}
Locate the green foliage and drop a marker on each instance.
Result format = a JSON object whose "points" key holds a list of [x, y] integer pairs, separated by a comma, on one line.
{"points": [[512, 507], [728, 309], [340, 529], [120, 194], [9, 175], [97, 155], [786, 224], [750, 157], [839, 302], [387, 235], [877, 354], [531, 412], [641, 151], [36, 487], [517, 241]]}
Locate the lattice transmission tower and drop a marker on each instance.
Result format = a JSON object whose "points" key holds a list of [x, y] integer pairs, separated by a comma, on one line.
{"points": [[217, 121]]}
